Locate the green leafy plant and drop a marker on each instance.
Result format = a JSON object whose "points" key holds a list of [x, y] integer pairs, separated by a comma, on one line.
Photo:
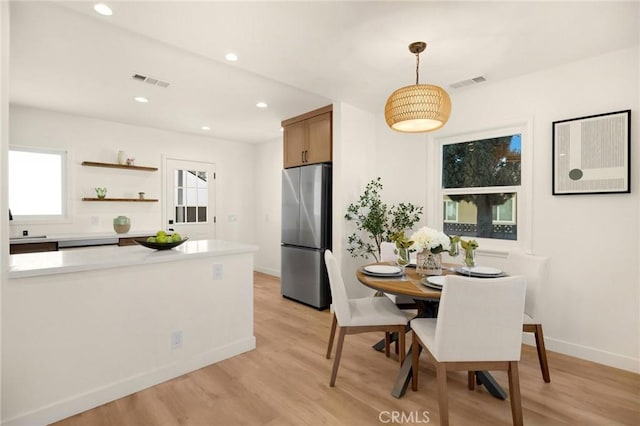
{"points": [[377, 222]]}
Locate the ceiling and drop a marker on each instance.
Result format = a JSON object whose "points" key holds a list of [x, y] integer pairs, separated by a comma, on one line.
{"points": [[296, 56]]}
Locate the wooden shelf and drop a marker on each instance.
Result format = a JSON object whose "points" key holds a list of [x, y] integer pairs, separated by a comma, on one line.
{"points": [[135, 200], [119, 166]]}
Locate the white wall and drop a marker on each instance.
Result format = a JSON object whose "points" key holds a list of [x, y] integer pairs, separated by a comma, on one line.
{"points": [[268, 201], [4, 143], [88, 139], [590, 303]]}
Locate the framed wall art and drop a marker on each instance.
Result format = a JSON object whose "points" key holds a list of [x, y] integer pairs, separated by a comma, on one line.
{"points": [[591, 154]]}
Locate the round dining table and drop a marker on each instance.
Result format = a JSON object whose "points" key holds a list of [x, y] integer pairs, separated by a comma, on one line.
{"points": [[426, 299]]}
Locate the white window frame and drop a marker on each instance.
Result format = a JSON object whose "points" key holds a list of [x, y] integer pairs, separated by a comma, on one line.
{"points": [[455, 203], [523, 192], [57, 218]]}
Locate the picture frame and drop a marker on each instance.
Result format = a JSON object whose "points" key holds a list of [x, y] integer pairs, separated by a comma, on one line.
{"points": [[591, 154]]}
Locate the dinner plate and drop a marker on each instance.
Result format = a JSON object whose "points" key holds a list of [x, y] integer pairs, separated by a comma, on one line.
{"points": [[480, 271], [434, 282], [383, 269]]}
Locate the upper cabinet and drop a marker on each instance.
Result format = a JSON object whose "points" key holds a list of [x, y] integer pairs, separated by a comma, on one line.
{"points": [[307, 138]]}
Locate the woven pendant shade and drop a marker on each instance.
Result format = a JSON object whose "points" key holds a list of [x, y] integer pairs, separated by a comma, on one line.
{"points": [[418, 108]]}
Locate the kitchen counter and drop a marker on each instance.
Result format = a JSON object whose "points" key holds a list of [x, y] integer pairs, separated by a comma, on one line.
{"points": [[86, 326], [104, 257], [78, 237]]}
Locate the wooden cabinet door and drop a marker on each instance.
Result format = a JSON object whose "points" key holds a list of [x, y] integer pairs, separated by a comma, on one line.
{"points": [[318, 139], [294, 144]]}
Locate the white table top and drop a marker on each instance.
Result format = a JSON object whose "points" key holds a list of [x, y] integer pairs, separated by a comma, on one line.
{"points": [[103, 257]]}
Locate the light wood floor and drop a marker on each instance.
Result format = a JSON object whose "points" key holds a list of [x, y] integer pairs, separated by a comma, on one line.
{"points": [[285, 381]]}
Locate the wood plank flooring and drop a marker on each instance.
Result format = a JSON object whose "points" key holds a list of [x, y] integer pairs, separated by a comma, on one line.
{"points": [[285, 381]]}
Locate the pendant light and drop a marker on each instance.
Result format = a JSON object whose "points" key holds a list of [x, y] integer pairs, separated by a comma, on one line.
{"points": [[420, 107]]}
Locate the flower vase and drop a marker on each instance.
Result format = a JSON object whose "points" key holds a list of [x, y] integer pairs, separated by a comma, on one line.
{"points": [[402, 258], [428, 263]]}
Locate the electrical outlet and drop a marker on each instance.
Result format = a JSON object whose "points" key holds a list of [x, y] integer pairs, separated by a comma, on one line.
{"points": [[233, 218], [176, 339], [25, 233], [217, 271]]}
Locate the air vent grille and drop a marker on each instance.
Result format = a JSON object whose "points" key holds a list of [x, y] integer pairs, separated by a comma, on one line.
{"points": [[151, 80], [468, 82]]}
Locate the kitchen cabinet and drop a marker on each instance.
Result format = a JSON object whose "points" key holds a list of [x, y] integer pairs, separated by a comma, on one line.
{"points": [[308, 138], [19, 248]]}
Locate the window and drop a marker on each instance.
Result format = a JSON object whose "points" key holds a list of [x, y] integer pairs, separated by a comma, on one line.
{"points": [[191, 196], [37, 183], [481, 180]]}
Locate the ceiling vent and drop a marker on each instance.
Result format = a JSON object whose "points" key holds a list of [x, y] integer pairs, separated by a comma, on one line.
{"points": [[150, 80], [468, 82]]}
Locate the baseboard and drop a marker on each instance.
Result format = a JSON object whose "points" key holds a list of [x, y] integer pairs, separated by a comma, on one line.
{"points": [[268, 271], [99, 396], [587, 353]]}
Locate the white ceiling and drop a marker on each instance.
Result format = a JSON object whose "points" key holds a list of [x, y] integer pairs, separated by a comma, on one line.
{"points": [[296, 56]]}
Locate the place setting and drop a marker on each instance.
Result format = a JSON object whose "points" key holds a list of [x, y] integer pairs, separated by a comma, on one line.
{"points": [[383, 271]]}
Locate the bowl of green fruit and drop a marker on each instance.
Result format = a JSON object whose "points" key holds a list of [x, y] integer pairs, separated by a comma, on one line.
{"points": [[162, 241]]}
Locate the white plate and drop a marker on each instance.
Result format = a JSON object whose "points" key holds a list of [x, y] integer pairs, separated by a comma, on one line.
{"points": [[437, 280], [481, 270], [382, 269]]}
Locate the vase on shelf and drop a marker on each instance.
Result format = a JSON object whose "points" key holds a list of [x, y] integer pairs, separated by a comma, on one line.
{"points": [[428, 263], [122, 158], [121, 224], [101, 192]]}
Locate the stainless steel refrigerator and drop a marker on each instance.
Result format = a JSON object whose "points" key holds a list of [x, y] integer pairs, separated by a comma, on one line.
{"points": [[306, 234]]}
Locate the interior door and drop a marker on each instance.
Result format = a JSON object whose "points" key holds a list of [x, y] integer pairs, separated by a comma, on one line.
{"points": [[189, 201]]}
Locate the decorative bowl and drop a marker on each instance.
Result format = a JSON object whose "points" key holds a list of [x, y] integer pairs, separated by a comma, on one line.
{"points": [[159, 246]]}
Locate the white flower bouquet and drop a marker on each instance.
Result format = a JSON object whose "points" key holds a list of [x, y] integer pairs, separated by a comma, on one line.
{"points": [[430, 239]]}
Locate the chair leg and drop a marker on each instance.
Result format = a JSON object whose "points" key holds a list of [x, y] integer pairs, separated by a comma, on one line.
{"points": [[334, 323], [402, 340], [514, 394], [443, 400], [471, 380], [387, 344], [542, 353], [336, 360]]}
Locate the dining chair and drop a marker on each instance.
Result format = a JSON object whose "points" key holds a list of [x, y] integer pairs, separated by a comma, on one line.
{"points": [[353, 316], [479, 327], [535, 269]]}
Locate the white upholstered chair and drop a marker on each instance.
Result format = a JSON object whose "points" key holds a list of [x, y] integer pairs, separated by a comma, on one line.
{"points": [[363, 315], [479, 327], [535, 269]]}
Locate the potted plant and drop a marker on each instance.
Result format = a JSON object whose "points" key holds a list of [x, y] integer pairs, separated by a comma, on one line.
{"points": [[376, 222]]}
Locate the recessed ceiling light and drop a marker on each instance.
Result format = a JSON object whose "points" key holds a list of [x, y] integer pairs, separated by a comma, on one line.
{"points": [[141, 99], [103, 9], [262, 104], [205, 128], [232, 57]]}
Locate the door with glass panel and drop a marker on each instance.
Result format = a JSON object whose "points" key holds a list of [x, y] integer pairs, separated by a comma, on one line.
{"points": [[190, 198]]}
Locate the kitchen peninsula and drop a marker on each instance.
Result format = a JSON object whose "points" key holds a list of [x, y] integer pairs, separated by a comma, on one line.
{"points": [[91, 325]]}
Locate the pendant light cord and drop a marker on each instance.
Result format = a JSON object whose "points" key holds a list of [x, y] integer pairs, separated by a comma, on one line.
{"points": [[417, 66]]}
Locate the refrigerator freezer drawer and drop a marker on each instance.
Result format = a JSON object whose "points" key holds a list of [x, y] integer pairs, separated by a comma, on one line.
{"points": [[304, 276]]}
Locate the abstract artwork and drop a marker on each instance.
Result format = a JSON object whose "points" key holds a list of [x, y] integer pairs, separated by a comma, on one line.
{"points": [[591, 154]]}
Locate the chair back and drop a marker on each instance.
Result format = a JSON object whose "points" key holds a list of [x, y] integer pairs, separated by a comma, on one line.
{"points": [[386, 251], [480, 319], [339, 297], [536, 270]]}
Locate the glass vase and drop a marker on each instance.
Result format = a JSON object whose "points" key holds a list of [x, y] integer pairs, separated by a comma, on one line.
{"points": [[428, 263], [402, 258]]}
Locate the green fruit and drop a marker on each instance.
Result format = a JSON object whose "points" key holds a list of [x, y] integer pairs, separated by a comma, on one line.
{"points": [[161, 232], [162, 239], [176, 237], [151, 239]]}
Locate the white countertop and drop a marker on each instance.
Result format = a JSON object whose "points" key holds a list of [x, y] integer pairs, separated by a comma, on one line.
{"points": [[103, 257]]}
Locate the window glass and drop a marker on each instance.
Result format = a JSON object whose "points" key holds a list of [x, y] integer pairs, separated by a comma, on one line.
{"points": [[191, 196], [480, 182], [36, 183]]}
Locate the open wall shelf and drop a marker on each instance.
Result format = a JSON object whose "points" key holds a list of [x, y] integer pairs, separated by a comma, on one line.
{"points": [[135, 200], [119, 166]]}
